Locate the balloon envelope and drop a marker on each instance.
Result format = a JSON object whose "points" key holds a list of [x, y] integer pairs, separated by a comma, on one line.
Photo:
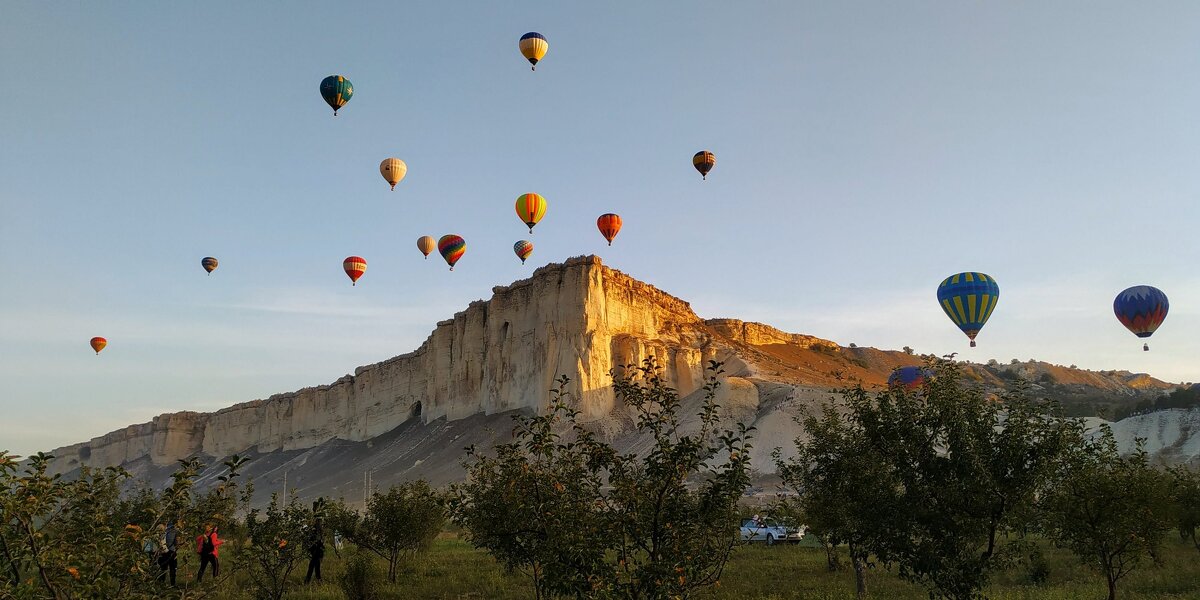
{"points": [[393, 170], [1141, 309], [523, 249], [209, 263], [533, 47], [704, 161], [452, 248], [609, 225], [968, 299], [98, 344], [426, 244], [336, 90], [531, 208], [354, 266], [909, 378]]}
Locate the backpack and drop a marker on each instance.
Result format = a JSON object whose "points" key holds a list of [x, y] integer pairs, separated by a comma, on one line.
{"points": [[206, 547]]}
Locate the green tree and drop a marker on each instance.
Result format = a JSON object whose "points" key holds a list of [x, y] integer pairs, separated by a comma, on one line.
{"points": [[1111, 511], [535, 505], [675, 508], [397, 524], [846, 489], [1185, 492], [931, 480], [275, 546], [584, 520]]}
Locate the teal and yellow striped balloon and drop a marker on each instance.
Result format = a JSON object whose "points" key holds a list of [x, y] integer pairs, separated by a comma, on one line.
{"points": [[336, 90], [968, 299]]}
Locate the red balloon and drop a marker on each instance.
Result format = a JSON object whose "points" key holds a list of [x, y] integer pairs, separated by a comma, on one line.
{"points": [[355, 266]]}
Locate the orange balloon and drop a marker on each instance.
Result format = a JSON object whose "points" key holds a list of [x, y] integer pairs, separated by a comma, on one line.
{"points": [[609, 225], [98, 344]]}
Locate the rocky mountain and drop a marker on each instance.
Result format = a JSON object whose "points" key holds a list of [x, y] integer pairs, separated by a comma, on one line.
{"points": [[411, 415]]}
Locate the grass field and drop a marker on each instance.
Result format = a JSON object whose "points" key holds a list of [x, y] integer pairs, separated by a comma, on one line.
{"points": [[453, 570]]}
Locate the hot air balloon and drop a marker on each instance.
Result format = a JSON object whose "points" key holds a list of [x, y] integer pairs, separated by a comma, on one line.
{"points": [[336, 90], [98, 344], [209, 263], [704, 161], [609, 225], [393, 170], [969, 299], [354, 266], [531, 208], [426, 244], [533, 47], [909, 378], [452, 248], [523, 249], [1141, 309]]}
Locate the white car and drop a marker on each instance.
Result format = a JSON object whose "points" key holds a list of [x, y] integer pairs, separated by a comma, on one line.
{"points": [[761, 531]]}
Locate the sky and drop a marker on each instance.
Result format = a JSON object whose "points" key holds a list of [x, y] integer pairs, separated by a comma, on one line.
{"points": [[865, 151]]}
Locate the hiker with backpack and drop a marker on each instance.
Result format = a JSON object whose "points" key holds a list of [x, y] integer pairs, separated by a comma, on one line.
{"points": [[208, 546], [168, 545]]}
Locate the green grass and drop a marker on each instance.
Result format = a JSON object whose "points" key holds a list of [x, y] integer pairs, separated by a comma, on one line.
{"points": [[453, 570]]}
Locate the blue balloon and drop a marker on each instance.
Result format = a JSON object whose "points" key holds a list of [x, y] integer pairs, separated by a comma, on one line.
{"points": [[909, 377]]}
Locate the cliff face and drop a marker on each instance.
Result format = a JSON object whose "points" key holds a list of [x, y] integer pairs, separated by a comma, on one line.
{"points": [[579, 319]]}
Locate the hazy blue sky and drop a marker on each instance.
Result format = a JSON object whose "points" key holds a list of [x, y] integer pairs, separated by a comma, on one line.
{"points": [[865, 151]]}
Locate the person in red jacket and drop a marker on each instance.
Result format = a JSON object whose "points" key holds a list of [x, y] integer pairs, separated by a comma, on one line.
{"points": [[208, 547]]}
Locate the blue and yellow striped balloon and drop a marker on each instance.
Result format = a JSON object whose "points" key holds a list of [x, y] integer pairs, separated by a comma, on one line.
{"points": [[969, 299], [336, 90]]}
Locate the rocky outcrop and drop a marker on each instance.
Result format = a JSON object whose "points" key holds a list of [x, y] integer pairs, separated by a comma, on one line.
{"points": [[579, 319]]}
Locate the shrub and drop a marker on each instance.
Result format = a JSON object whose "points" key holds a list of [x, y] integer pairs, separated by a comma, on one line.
{"points": [[361, 580]]}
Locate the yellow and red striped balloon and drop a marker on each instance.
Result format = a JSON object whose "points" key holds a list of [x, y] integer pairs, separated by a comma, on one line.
{"points": [[609, 225], [98, 344], [393, 170], [452, 248], [523, 249], [354, 266], [426, 244], [531, 208]]}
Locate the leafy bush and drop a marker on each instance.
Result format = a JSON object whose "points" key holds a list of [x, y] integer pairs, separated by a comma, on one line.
{"points": [[397, 524], [361, 580], [275, 546], [81, 538]]}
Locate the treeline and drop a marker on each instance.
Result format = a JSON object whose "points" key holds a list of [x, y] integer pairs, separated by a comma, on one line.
{"points": [[1188, 397]]}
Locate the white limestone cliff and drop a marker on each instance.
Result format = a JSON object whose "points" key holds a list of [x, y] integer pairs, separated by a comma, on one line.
{"points": [[579, 319]]}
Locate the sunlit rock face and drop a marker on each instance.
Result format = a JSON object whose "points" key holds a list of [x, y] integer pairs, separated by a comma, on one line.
{"points": [[577, 319]]}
